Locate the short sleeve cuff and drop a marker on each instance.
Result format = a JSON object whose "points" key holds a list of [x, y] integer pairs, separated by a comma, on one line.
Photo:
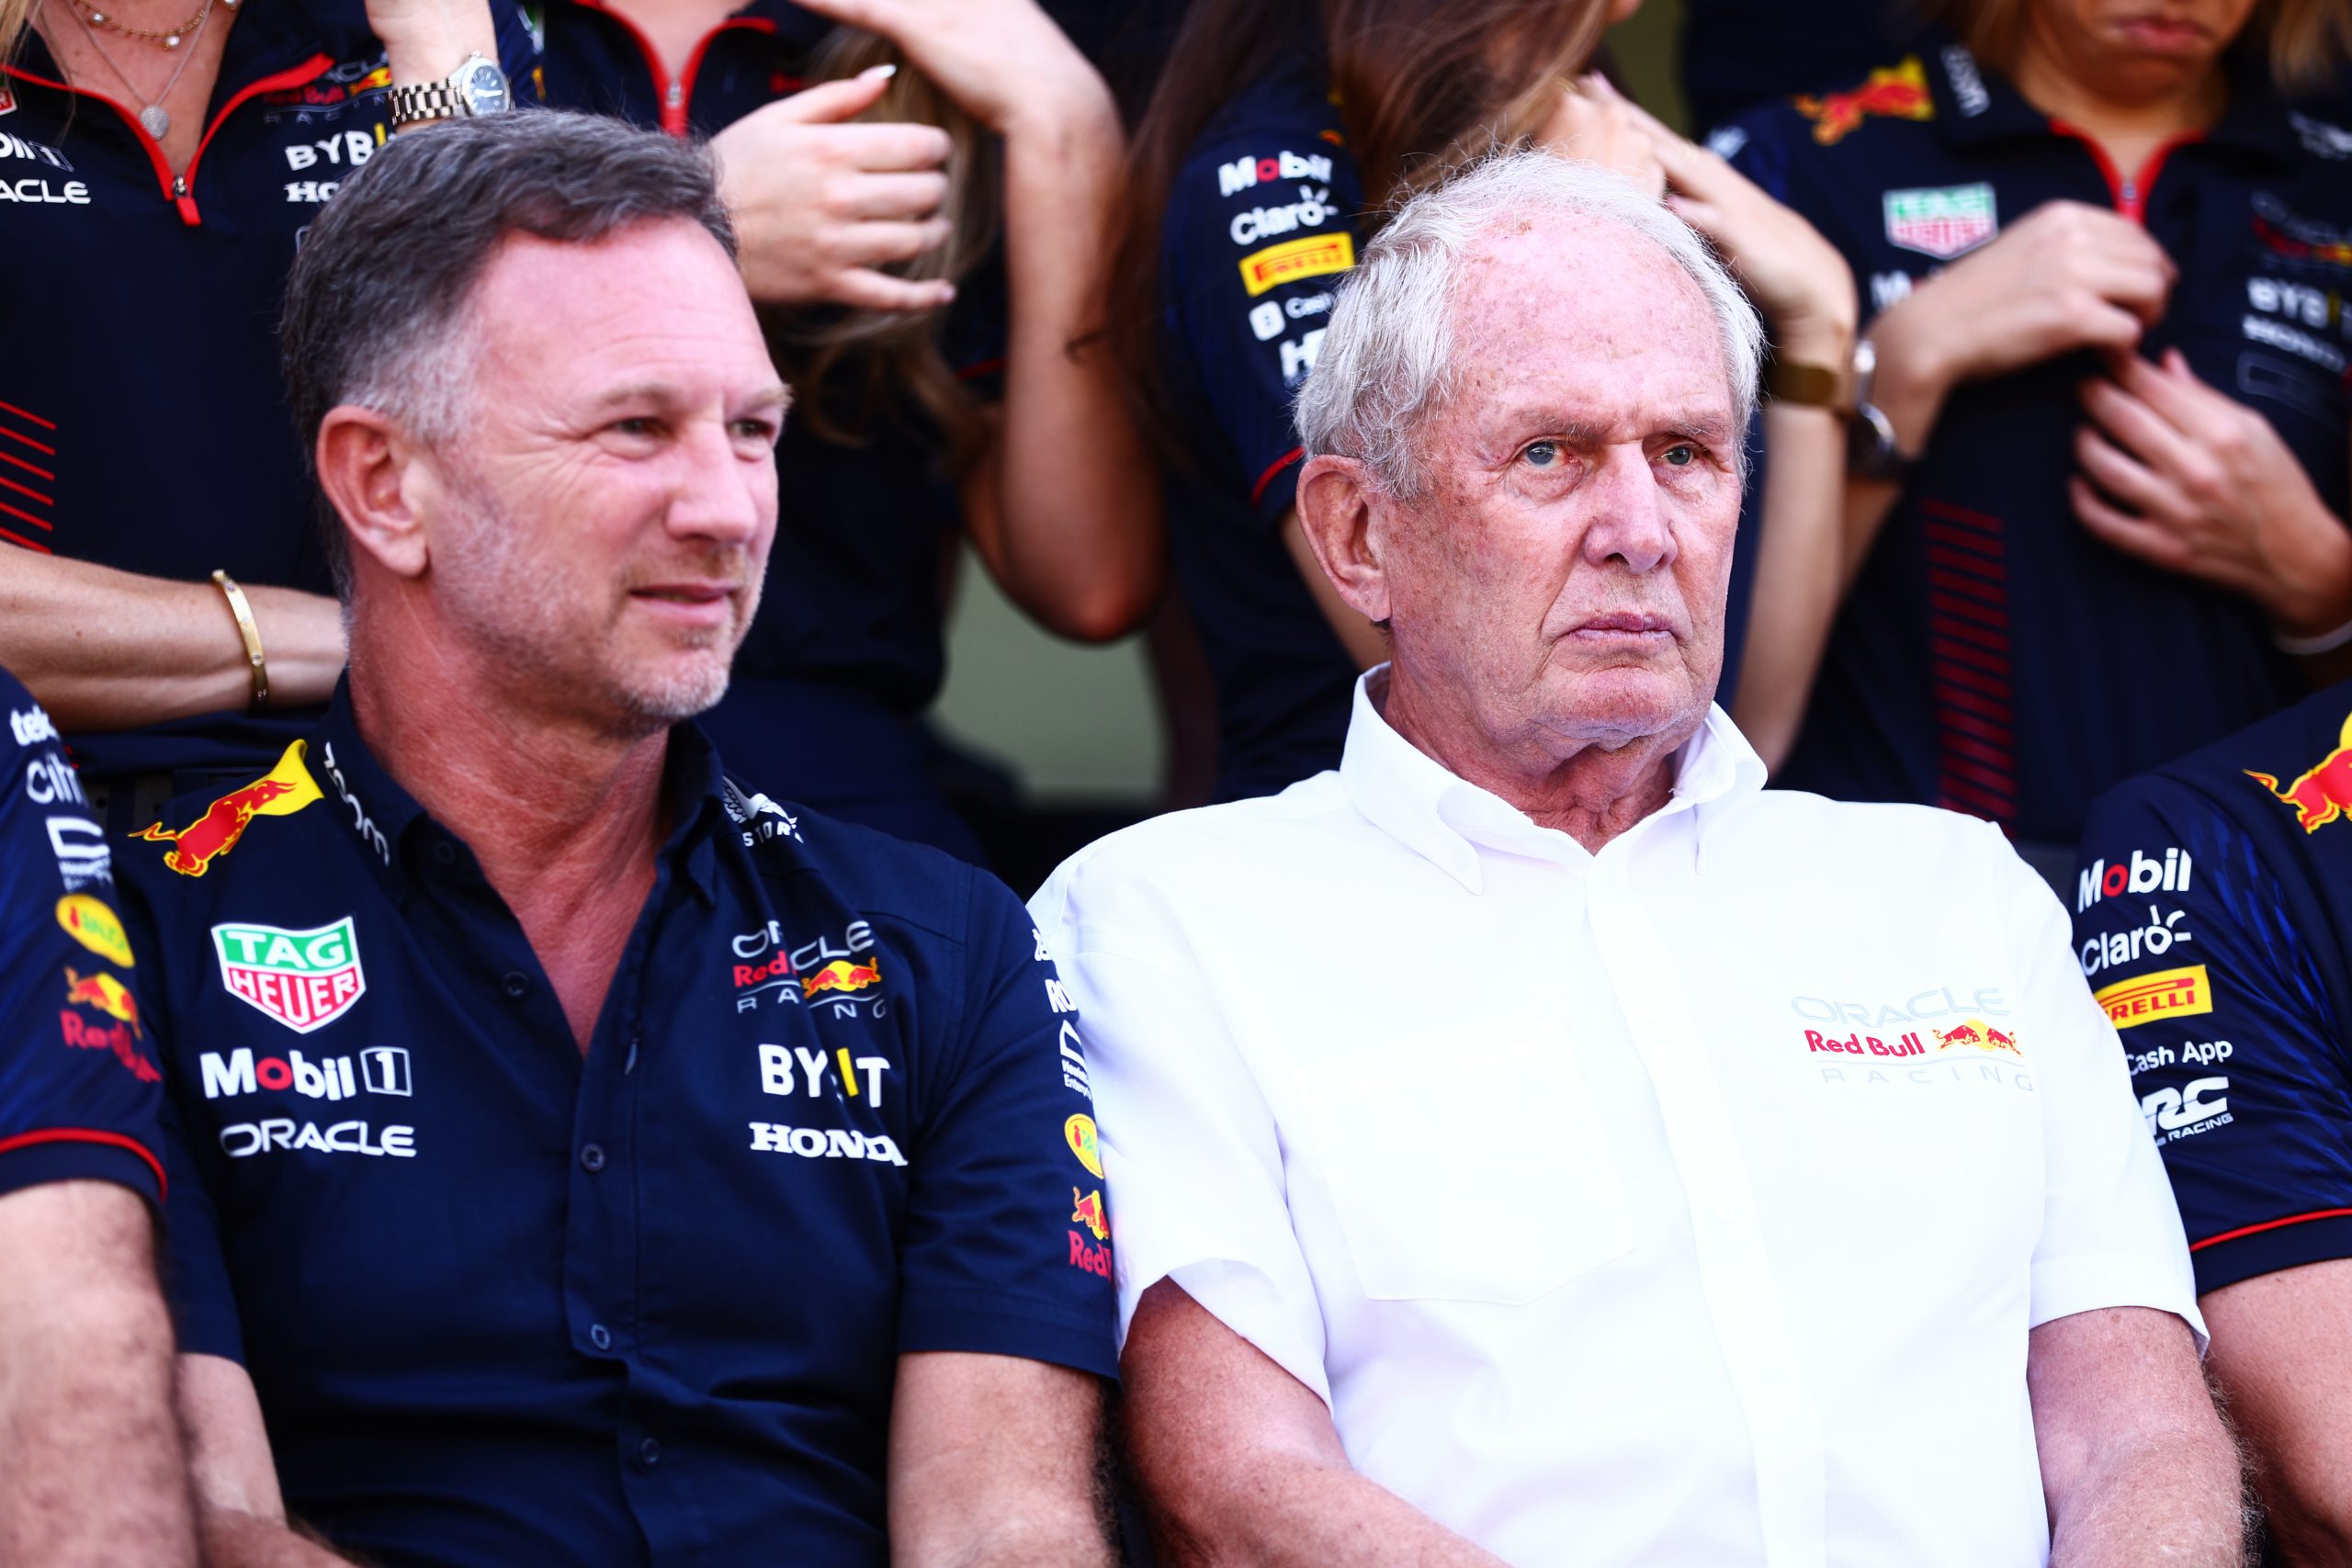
{"points": [[33, 1159], [1245, 1301], [2062, 1287], [1274, 492], [2266, 1248], [1008, 1326]]}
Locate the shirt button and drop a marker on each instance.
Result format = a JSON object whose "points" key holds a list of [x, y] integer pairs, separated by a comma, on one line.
{"points": [[518, 985], [600, 1337], [446, 852], [592, 1158], [650, 1452]]}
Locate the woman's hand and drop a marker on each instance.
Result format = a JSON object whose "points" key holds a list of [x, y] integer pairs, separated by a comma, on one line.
{"points": [[1003, 61], [821, 205], [1796, 277], [1593, 124], [425, 40], [2192, 480]]}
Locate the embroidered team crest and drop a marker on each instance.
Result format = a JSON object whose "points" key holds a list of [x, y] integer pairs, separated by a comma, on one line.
{"points": [[303, 979], [1941, 221]]}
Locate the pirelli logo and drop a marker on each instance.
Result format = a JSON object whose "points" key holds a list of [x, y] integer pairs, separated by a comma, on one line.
{"points": [[1294, 259], [2168, 993]]}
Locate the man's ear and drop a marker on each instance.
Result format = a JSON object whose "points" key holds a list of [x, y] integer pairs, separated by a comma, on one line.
{"points": [[370, 471], [1335, 513]]}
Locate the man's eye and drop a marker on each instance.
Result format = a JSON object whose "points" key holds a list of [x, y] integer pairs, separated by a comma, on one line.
{"points": [[635, 426], [1543, 455], [755, 430], [1682, 456]]}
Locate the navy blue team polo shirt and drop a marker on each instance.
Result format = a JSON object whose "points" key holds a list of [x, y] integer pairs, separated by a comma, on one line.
{"points": [[142, 415], [1991, 655], [849, 643], [79, 1087], [1262, 220], [507, 1303], [2213, 916]]}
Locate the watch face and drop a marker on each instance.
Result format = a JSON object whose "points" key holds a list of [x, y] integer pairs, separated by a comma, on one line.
{"points": [[483, 86]]}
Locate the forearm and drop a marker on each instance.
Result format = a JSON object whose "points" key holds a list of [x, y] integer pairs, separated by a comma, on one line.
{"points": [[1299, 1513], [1800, 575], [2171, 1497], [91, 1470], [234, 1539], [425, 40], [107, 650], [1077, 537]]}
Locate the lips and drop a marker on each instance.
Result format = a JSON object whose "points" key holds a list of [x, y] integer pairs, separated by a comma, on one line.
{"points": [[1623, 623], [690, 603]]}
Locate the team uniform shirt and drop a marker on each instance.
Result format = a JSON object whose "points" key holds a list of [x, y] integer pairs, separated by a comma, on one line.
{"points": [[79, 1086], [504, 1302], [1738, 55], [848, 648], [1264, 218], [143, 413], [1685, 1204], [2213, 911], [1939, 681]]}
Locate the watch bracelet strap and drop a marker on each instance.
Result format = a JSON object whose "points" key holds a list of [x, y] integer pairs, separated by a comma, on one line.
{"points": [[1809, 385], [249, 633], [428, 100]]}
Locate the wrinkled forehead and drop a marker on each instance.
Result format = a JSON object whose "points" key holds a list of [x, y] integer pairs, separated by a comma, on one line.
{"points": [[1587, 313]]}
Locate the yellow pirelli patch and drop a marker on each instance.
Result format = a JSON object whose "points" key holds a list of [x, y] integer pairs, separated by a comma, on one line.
{"points": [[2168, 993], [1293, 259]]}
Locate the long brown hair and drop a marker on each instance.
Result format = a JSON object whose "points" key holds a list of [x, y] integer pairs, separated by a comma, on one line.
{"points": [[13, 16], [848, 368], [1420, 86], [2308, 41]]}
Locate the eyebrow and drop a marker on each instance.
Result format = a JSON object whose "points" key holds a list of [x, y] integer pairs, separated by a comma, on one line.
{"points": [[775, 392]]}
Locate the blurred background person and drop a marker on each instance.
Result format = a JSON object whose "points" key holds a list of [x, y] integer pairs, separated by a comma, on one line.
{"points": [[1277, 136], [2098, 487], [161, 159], [1740, 54], [91, 1468], [927, 238]]}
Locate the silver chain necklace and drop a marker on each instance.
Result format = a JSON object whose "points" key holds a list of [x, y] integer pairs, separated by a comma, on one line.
{"points": [[154, 116]]}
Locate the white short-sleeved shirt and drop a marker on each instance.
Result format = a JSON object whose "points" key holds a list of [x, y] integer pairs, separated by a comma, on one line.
{"points": [[1687, 1204]]}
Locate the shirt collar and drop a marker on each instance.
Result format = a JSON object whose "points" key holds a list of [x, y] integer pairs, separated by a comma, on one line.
{"points": [[1975, 105], [1446, 819], [399, 839]]}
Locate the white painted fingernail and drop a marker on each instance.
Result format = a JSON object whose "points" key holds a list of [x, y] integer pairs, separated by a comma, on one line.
{"points": [[877, 74]]}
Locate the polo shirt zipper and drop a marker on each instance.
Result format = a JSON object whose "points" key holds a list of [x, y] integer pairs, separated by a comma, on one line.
{"points": [[676, 93]]}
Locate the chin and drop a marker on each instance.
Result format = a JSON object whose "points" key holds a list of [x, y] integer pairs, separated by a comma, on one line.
{"points": [[675, 695], [1615, 706]]}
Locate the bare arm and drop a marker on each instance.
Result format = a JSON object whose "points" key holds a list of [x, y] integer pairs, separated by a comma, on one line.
{"points": [[2283, 1353], [238, 1506], [1240, 1462], [107, 650], [90, 1466], [994, 1464], [2135, 1462], [1066, 511]]}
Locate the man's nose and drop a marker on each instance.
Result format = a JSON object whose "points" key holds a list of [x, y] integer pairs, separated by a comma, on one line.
{"points": [[1629, 521], [719, 494]]}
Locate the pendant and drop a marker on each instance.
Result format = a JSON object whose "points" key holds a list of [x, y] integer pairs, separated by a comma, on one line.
{"points": [[172, 41], [158, 123]]}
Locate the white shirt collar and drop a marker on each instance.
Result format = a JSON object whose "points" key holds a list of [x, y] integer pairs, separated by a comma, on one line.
{"points": [[1443, 817]]}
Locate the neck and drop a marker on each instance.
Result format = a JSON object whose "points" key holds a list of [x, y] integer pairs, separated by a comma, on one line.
{"points": [[2111, 117], [561, 814], [1593, 795]]}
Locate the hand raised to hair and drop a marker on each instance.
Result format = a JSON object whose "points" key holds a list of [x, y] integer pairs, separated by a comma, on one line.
{"points": [[1593, 124], [1002, 61], [820, 203]]}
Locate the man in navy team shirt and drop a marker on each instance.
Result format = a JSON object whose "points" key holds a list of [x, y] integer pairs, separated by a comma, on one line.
{"points": [[2213, 915], [580, 1158], [90, 1464]]}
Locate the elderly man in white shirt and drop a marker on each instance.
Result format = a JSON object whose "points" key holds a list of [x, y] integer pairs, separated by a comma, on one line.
{"points": [[1533, 1142]]}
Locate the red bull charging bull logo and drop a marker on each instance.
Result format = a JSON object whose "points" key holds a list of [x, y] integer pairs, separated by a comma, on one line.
{"points": [[840, 974], [283, 791], [2322, 793], [1088, 1211], [1894, 92], [1975, 1034], [103, 994]]}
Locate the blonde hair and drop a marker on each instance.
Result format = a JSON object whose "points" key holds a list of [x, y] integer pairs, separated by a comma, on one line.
{"points": [[2308, 41], [14, 16], [847, 366]]}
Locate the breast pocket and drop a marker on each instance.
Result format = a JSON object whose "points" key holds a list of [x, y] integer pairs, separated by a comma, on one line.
{"points": [[1468, 1169]]}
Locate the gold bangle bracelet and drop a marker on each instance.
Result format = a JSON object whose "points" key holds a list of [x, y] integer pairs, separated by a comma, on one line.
{"points": [[243, 610]]}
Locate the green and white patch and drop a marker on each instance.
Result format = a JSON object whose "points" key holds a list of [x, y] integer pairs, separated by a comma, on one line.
{"points": [[1942, 221], [304, 979]]}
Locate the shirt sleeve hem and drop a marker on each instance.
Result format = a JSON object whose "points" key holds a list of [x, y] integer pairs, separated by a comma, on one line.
{"points": [[1276, 490], [2097, 1282], [74, 1154], [1009, 1326], [2237, 1256]]}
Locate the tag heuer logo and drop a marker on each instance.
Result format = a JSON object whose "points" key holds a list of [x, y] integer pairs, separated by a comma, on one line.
{"points": [[1941, 223], [303, 979]]}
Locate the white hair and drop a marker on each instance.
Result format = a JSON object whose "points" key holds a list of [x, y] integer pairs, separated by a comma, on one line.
{"points": [[1386, 360]]}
